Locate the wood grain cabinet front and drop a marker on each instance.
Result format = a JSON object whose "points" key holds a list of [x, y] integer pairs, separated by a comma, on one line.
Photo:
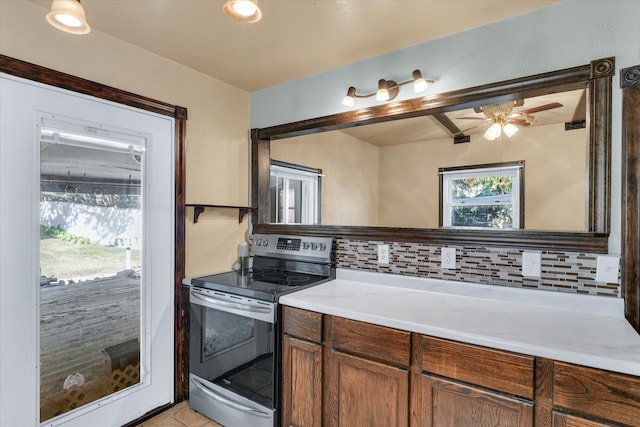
{"points": [[605, 396], [301, 368], [368, 374], [439, 402], [566, 420], [457, 384], [362, 392], [302, 383], [342, 372]]}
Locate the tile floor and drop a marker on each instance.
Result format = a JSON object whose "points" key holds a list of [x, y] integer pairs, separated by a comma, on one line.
{"points": [[180, 415]]}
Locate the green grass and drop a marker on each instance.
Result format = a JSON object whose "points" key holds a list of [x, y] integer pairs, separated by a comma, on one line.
{"points": [[66, 260]]}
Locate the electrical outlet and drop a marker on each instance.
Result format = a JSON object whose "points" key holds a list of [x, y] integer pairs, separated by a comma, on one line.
{"points": [[607, 269], [448, 258], [531, 264], [383, 254]]}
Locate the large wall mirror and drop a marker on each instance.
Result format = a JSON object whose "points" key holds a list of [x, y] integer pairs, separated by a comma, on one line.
{"points": [[379, 169]]}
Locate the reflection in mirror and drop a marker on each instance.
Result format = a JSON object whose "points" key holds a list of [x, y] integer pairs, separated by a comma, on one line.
{"points": [[359, 210], [387, 174]]}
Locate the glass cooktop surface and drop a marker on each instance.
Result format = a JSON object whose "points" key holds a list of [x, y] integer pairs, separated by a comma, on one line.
{"points": [[263, 284]]}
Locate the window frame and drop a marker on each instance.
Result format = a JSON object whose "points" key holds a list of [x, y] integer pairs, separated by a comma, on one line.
{"points": [[447, 174], [303, 173]]}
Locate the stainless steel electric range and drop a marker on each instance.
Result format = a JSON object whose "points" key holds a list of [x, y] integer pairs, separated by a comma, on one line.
{"points": [[235, 328]]}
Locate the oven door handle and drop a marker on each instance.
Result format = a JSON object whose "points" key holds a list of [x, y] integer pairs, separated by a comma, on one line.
{"points": [[211, 301], [225, 401]]}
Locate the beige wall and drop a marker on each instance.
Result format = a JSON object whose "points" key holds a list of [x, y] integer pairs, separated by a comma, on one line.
{"points": [[350, 169], [554, 176], [397, 185], [217, 128]]}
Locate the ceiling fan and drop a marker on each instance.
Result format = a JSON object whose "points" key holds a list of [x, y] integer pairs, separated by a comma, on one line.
{"points": [[503, 119]]}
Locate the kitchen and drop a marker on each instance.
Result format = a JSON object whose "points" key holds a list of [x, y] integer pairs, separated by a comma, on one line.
{"points": [[207, 171]]}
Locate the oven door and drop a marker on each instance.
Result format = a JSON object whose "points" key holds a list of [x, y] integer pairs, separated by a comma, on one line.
{"points": [[232, 363]]}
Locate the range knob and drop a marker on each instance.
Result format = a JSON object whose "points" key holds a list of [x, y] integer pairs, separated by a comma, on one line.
{"points": [[314, 246], [323, 246], [305, 245]]}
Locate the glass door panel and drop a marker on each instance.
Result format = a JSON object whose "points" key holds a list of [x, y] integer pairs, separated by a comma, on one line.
{"points": [[91, 214]]}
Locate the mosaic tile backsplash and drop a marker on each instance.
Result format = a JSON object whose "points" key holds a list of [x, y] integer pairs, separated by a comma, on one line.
{"points": [[560, 271]]}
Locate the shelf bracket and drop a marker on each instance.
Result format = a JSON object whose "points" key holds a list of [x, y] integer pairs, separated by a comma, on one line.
{"points": [[197, 210], [242, 210]]}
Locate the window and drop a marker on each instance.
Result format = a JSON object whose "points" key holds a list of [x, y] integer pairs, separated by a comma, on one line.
{"points": [[486, 196], [294, 193]]}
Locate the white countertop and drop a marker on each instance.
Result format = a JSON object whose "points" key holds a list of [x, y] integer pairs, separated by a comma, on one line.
{"points": [[580, 329]]}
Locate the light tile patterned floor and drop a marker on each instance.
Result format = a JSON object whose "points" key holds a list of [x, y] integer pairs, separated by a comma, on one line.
{"points": [[180, 415]]}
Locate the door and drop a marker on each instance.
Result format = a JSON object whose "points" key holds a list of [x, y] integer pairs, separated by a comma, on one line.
{"points": [[364, 393], [86, 258], [301, 383], [449, 403]]}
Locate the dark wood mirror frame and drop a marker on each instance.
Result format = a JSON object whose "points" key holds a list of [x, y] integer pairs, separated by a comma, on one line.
{"points": [[596, 76], [630, 225]]}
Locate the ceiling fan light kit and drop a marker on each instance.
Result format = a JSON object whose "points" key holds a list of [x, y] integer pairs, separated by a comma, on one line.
{"points": [[502, 119], [68, 16], [388, 89], [245, 11]]}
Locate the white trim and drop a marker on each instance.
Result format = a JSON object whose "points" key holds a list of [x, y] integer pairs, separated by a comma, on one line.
{"points": [[448, 203], [19, 284]]}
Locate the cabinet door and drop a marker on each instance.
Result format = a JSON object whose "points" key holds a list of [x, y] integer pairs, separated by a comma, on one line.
{"points": [[301, 383], [363, 393], [442, 403], [565, 420]]}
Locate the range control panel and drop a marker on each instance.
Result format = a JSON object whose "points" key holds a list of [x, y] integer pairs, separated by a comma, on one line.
{"points": [[282, 246]]}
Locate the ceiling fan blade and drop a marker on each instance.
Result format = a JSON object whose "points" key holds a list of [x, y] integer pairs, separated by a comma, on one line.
{"points": [[475, 127], [472, 118], [519, 122], [545, 107]]}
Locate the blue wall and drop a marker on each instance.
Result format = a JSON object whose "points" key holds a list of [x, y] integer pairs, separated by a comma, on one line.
{"points": [[562, 35]]}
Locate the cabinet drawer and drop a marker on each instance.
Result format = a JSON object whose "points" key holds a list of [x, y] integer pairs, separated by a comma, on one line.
{"points": [[603, 394], [499, 370], [371, 341], [303, 324]]}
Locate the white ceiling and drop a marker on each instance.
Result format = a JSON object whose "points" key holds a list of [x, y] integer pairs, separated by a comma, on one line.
{"points": [[294, 39]]}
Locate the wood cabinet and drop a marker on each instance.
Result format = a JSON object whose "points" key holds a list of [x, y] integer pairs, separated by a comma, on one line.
{"points": [[368, 375], [342, 372], [566, 420], [594, 393], [301, 368], [442, 402], [362, 392], [458, 384]]}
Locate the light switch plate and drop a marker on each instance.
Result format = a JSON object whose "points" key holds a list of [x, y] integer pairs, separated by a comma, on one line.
{"points": [[448, 258], [607, 269], [531, 264], [383, 254]]}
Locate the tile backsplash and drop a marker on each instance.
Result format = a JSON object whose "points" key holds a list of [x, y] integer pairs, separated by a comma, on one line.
{"points": [[560, 271]]}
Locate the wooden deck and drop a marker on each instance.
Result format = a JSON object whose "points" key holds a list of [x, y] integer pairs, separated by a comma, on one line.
{"points": [[80, 320]]}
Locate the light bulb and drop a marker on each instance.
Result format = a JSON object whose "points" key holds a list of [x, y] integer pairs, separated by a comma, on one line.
{"points": [[68, 16], [510, 129], [348, 99], [244, 8], [246, 11], [493, 132], [68, 20], [383, 92], [419, 84]]}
